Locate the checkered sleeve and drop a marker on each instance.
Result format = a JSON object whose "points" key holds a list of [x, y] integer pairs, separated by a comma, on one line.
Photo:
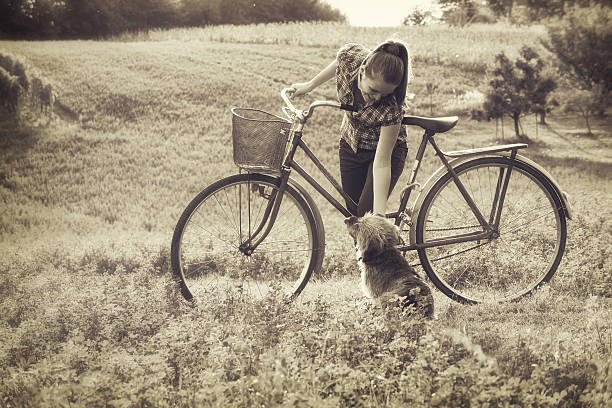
{"points": [[347, 57], [391, 114]]}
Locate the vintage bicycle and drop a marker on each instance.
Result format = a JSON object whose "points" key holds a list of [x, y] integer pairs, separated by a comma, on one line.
{"points": [[488, 226]]}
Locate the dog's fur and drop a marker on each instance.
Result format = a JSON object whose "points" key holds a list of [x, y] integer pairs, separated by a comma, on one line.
{"points": [[385, 273]]}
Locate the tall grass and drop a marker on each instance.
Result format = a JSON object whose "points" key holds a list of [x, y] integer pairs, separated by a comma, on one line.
{"points": [[89, 315], [470, 50], [478, 43]]}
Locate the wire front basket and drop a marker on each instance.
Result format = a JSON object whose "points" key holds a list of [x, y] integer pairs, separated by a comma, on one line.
{"points": [[259, 139]]}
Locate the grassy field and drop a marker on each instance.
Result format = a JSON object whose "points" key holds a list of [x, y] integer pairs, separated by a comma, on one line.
{"points": [[89, 315]]}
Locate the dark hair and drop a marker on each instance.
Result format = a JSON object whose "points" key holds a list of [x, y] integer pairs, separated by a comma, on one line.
{"points": [[391, 60]]}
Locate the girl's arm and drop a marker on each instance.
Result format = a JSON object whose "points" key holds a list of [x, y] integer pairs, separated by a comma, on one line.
{"points": [[381, 169], [326, 74]]}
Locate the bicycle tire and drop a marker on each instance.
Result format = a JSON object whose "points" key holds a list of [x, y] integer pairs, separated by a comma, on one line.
{"points": [[205, 254], [318, 222], [524, 256]]}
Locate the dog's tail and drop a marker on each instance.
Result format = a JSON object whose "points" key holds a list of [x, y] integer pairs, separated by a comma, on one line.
{"points": [[418, 295]]}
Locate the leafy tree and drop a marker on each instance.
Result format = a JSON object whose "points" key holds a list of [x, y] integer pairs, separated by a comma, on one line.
{"points": [[538, 95], [587, 103], [501, 8], [199, 13], [417, 17], [540, 9], [458, 12], [518, 88], [581, 41], [91, 19], [146, 14], [42, 14], [21, 18]]}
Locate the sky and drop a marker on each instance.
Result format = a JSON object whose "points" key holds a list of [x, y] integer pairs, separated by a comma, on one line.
{"points": [[378, 13]]}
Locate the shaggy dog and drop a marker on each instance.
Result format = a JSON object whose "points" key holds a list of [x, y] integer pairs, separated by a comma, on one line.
{"points": [[385, 274]]}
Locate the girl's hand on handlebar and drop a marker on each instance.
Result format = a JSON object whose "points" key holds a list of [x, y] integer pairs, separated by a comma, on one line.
{"points": [[301, 88]]}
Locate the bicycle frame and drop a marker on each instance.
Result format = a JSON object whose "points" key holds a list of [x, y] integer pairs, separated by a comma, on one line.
{"points": [[490, 227]]}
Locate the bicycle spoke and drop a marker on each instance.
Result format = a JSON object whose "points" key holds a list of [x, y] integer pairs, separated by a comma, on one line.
{"points": [[225, 215], [305, 250], [458, 252], [523, 214], [218, 234], [527, 223]]}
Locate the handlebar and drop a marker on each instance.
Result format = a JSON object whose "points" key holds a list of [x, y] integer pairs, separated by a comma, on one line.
{"points": [[302, 115]]}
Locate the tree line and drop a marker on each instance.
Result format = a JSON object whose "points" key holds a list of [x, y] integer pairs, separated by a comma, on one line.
{"points": [[53, 19], [537, 10], [522, 12]]}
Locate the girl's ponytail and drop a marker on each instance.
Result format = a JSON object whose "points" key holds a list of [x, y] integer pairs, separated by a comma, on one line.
{"points": [[392, 60]]}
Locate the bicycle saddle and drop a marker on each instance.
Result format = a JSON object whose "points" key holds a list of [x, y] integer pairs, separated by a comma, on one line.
{"points": [[437, 125]]}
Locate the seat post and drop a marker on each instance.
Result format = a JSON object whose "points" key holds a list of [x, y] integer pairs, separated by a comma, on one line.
{"points": [[419, 156], [405, 195]]}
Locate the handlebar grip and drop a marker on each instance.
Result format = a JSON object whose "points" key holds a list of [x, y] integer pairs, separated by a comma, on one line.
{"points": [[285, 92]]}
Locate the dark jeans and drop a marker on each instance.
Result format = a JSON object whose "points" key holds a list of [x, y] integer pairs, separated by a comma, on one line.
{"points": [[356, 174]]}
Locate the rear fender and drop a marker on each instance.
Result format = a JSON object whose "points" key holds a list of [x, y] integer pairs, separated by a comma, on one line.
{"points": [[562, 194]]}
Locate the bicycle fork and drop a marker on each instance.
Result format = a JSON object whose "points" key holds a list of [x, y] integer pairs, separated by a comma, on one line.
{"points": [[262, 230]]}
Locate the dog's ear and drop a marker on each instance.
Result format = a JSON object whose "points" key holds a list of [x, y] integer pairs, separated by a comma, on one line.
{"points": [[350, 220]]}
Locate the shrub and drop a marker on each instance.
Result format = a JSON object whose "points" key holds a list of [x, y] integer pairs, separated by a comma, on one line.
{"points": [[17, 83], [17, 68], [11, 92]]}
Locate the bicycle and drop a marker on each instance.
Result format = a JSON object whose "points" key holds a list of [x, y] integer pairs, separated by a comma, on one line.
{"points": [[488, 226]]}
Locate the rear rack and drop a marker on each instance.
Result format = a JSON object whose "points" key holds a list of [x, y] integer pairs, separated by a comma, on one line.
{"points": [[491, 149]]}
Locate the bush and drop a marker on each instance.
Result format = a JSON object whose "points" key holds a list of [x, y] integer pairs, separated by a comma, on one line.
{"points": [[17, 84], [14, 83], [11, 92]]}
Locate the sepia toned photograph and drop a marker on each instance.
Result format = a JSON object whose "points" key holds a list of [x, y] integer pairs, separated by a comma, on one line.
{"points": [[305, 203]]}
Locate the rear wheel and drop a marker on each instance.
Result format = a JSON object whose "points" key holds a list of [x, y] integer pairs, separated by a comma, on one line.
{"points": [[518, 258], [211, 253]]}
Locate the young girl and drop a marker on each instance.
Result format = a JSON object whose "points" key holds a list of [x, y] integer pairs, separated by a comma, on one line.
{"points": [[373, 142]]}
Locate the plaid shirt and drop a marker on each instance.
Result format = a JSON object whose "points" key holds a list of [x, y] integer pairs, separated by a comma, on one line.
{"points": [[361, 129]]}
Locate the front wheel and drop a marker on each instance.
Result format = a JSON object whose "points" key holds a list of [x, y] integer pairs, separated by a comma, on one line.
{"points": [[211, 253], [519, 257]]}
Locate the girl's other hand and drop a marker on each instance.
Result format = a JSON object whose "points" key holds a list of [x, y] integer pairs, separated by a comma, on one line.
{"points": [[301, 88]]}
